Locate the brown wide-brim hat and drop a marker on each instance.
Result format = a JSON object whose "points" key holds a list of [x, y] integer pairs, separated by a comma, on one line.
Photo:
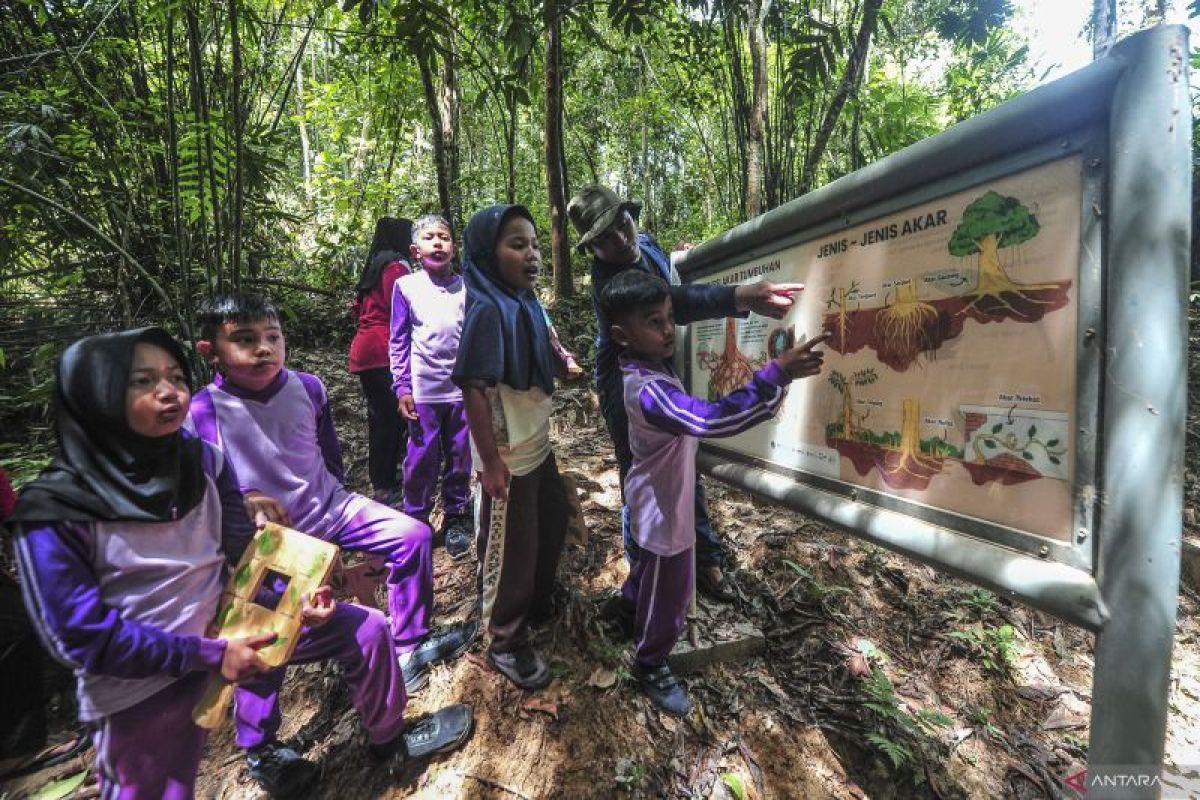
{"points": [[595, 209]]}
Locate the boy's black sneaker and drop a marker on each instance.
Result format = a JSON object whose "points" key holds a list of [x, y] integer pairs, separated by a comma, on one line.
{"points": [[426, 736], [440, 645], [663, 689], [281, 771], [524, 667], [457, 531]]}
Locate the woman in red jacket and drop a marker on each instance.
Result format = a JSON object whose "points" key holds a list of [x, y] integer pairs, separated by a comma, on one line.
{"points": [[386, 431]]}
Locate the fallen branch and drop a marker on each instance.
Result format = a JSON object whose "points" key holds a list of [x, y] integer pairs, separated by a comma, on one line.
{"points": [[495, 784]]}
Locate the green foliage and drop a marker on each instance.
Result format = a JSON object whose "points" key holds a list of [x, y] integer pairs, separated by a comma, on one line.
{"points": [[993, 215], [996, 649]]}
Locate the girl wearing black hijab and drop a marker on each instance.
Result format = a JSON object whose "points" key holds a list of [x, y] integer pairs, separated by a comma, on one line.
{"points": [[506, 368], [387, 433], [123, 544]]}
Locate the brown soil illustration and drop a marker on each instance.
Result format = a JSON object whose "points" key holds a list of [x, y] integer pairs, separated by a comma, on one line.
{"points": [[1006, 470]]}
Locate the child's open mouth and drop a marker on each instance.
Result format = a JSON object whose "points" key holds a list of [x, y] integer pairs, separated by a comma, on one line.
{"points": [[532, 273], [169, 414]]}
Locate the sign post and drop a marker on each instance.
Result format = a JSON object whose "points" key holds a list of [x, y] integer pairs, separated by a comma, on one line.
{"points": [[1005, 382]]}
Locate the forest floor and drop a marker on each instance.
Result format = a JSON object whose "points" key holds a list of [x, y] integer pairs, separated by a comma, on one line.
{"points": [[881, 678]]}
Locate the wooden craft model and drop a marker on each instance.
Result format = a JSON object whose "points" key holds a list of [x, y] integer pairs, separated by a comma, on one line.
{"points": [[280, 568]]}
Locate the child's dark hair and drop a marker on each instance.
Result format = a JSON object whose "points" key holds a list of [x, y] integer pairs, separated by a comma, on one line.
{"points": [[428, 221], [233, 307], [632, 290]]}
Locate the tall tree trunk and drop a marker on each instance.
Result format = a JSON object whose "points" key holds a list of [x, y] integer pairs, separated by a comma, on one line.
{"points": [[239, 124], [204, 163], [305, 149], [510, 148], [757, 35], [737, 95], [555, 186], [850, 78], [437, 129], [450, 114], [181, 253]]}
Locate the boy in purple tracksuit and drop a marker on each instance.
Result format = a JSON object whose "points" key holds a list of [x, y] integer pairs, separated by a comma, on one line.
{"points": [[276, 428], [427, 317], [665, 424], [124, 544]]}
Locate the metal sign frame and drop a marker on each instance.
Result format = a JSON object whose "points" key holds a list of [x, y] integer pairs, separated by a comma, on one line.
{"points": [[1128, 116]]}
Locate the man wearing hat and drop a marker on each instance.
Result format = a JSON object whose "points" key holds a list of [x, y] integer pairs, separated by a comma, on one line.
{"points": [[607, 226]]}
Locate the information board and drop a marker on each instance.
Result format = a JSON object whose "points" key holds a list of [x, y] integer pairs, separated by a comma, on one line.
{"points": [[950, 370], [1004, 389]]}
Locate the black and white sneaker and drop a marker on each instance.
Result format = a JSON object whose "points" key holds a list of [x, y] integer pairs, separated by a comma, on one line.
{"points": [[423, 737], [458, 530], [443, 644], [281, 771]]}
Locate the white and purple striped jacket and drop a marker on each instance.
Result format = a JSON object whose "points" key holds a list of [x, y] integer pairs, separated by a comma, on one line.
{"points": [[665, 426], [126, 604]]}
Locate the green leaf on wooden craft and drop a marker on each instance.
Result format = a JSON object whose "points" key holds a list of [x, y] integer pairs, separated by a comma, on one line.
{"points": [[734, 782], [63, 787], [267, 542]]}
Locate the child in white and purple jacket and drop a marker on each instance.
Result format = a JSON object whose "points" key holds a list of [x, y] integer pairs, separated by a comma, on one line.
{"points": [[275, 426], [665, 425]]}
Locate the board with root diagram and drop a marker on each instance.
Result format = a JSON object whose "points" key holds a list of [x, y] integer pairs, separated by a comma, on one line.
{"points": [[949, 375]]}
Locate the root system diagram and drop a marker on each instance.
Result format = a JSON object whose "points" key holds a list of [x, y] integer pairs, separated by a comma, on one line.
{"points": [[907, 326], [730, 369]]}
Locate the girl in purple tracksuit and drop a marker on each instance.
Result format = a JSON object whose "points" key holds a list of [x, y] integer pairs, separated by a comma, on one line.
{"points": [[665, 425], [123, 545]]}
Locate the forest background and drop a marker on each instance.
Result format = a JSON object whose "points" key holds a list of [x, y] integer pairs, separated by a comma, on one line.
{"points": [[154, 151]]}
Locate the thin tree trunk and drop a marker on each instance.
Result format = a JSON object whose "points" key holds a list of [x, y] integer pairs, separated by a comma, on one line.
{"points": [[303, 126], [437, 130], [173, 158], [450, 118], [757, 35], [235, 235], [204, 164], [555, 188], [850, 78]]}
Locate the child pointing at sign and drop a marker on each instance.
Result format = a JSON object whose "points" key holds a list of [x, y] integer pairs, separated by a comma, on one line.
{"points": [[665, 424]]}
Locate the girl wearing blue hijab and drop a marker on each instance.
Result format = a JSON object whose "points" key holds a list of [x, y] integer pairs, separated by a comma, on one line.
{"points": [[506, 370]]}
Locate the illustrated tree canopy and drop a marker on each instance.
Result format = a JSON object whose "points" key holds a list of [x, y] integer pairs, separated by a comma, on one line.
{"points": [[993, 215]]}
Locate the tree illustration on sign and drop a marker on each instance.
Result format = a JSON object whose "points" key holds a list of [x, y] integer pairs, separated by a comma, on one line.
{"points": [[731, 369], [902, 458], [841, 322], [912, 462], [989, 224], [906, 327], [851, 421]]}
